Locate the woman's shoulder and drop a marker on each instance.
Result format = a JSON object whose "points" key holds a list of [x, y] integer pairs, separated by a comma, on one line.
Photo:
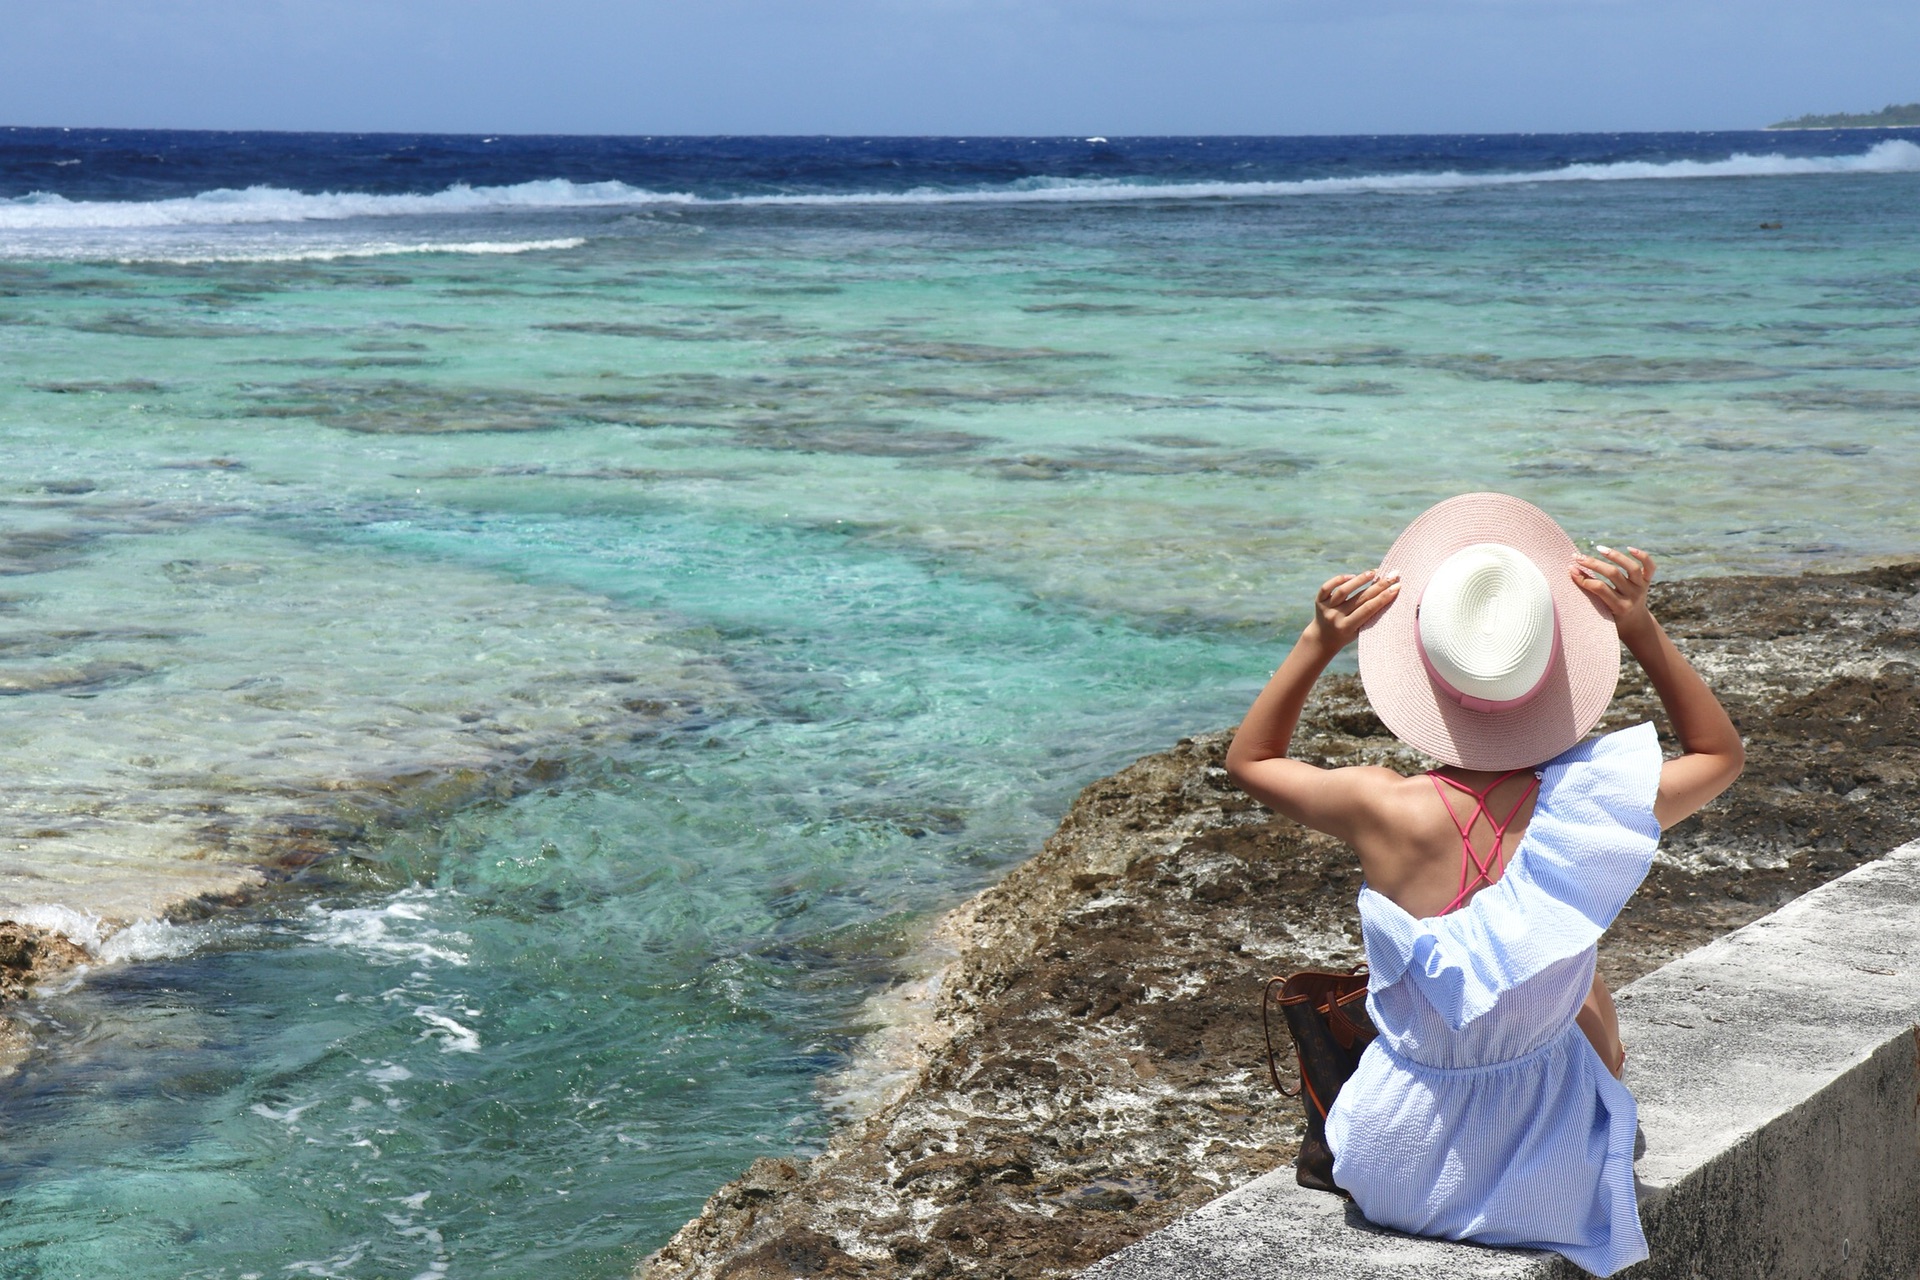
{"points": [[1408, 834], [1612, 779], [1620, 748]]}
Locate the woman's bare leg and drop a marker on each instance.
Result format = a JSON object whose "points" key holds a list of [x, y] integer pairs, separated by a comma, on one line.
{"points": [[1602, 1025]]}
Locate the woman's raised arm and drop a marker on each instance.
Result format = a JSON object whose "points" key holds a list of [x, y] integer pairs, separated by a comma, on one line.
{"points": [[1714, 755], [1329, 800]]}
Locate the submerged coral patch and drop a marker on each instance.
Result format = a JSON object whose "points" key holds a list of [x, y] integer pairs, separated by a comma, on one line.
{"points": [[223, 573], [622, 329], [969, 352], [347, 362], [394, 407], [1599, 371], [24, 551], [977, 394], [1087, 308], [1138, 462], [1843, 399], [1358, 387], [20, 645], [1177, 442], [102, 386], [386, 345], [89, 677], [1611, 370], [204, 464], [1338, 357], [1735, 444], [128, 325], [869, 438]]}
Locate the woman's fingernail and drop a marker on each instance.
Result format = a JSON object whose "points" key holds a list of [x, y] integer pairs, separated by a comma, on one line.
{"points": [[1604, 550]]}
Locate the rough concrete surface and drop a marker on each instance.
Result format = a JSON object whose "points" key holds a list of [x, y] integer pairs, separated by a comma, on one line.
{"points": [[1779, 1093], [1091, 1069], [1779, 1089]]}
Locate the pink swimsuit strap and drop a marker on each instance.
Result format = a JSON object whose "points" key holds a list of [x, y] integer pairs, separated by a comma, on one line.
{"points": [[1476, 872]]}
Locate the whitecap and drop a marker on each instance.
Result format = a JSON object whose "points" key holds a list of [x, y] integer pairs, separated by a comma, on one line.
{"points": [[397, 932], [337, 253], [453, 1037], [104, 944], [152, 940], [41, 211], [289, 1116], [83, 929]]}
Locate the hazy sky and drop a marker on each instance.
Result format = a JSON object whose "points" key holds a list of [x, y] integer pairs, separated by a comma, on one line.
{"points": [[951, 66]]}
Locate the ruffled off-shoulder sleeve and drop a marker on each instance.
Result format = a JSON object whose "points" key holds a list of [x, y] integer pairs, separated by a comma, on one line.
{"points": [[1586, 849]]}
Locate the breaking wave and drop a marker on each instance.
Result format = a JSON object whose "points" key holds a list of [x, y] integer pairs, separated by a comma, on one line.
{"points": [[262, 204], [336, 253]]}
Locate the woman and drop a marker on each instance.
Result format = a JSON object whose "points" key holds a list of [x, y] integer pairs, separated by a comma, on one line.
{"points": [[1489, 1108]]}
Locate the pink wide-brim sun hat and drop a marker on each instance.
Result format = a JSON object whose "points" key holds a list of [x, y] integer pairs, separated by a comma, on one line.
{"points": [[1410, 696]]}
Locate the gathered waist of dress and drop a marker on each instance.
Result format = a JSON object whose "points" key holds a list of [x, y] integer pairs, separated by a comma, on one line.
{"points": [[1420, 1068]]}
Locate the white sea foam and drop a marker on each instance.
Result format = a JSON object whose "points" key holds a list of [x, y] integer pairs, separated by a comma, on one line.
{"points": [[42, 212], [398, 933], [453, 1037], [290, 1116], [141, 940], [334, 253], [228, 207], [83, 929], [151, 940]]}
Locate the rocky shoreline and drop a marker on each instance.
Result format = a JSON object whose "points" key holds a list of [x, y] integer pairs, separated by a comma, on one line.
{"points": [[1092, 1063]]}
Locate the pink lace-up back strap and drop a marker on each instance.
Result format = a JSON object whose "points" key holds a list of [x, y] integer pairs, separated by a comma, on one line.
{"points": [[1475, 871]]}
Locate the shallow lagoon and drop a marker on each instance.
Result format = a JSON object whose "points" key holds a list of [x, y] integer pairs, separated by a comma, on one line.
{"points": [[616, 652]]}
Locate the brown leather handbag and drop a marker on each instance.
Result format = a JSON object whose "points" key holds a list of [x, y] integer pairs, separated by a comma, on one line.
{"points": [[1327, 1018]]}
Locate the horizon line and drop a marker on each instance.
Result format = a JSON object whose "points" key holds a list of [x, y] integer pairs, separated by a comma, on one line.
{"points": [[1087, 137]]}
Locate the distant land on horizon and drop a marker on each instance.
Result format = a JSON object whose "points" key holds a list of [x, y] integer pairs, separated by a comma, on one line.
{"points": [[1887, 117]]}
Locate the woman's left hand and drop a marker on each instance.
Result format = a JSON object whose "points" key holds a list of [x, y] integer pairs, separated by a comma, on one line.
{"points": [[1619, 582], [1347, 602]]}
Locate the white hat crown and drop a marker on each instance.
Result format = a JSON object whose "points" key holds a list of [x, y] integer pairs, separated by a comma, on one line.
{"points": [[1487, 625]]}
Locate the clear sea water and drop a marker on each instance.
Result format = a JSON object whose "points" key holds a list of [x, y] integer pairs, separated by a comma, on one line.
{"points": [[623, 589]]}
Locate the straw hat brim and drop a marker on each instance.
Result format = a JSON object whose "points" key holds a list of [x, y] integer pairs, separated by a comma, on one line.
{"points": [[1578, 685]]}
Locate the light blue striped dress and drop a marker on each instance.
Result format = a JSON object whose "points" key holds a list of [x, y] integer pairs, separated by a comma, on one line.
{"points": [[1481, 1112]]}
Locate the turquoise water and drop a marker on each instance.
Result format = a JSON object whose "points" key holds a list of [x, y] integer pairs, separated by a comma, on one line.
{"points": [[618, 651]]}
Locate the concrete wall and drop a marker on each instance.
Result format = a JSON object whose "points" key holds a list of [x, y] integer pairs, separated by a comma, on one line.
{"points": [[1778, 1075]]}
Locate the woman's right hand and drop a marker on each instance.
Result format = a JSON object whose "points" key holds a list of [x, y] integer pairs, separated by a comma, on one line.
{"points": [[1346, 603]]}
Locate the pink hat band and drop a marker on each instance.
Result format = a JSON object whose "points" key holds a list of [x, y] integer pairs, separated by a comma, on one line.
{"points": [[1472, 703]]}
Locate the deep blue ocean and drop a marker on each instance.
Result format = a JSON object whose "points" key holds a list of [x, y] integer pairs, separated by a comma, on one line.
{"points": [[507, 644], [145, 165]]}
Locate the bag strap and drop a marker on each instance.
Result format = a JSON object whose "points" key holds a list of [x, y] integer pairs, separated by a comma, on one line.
{"points": [[1266, 1030]]}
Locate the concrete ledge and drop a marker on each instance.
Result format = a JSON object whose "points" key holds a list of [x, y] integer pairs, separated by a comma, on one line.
{"points": [[1778, 1075]]}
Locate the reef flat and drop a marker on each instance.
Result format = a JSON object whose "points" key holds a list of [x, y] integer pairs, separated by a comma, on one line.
{"points": [[1091, 1066], [208, 727]]}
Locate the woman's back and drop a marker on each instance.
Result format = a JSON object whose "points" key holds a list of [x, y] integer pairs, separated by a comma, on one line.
{"points": [[1420, 858]]}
